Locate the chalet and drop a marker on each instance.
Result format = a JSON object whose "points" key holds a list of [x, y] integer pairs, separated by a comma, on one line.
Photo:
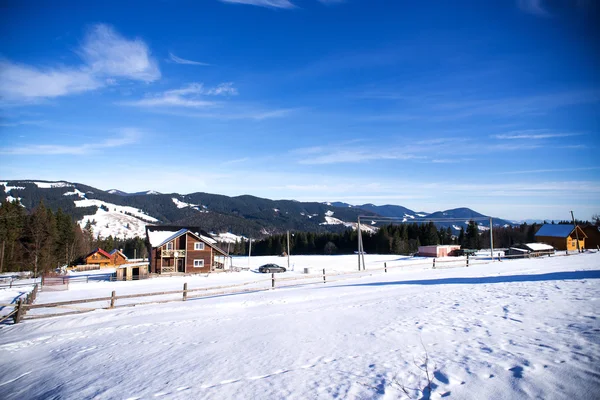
{"points": [[561, 236], [99, 257], [118, 258], [183, 250], [524, 250], [592, 241], [437, 250]]}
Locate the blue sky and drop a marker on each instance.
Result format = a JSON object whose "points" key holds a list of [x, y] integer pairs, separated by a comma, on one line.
{"points": [[493, 105]]}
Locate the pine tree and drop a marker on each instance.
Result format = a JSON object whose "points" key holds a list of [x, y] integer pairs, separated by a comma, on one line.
{"points": [[40, 232], [12, 221]]}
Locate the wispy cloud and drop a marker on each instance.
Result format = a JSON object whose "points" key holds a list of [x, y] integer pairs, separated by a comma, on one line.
{"points": [[179, 60], [533, 134], [534, 7], [23, 82], [443, 106], [277, 3], [350, 155], [21, 123], [542, 171], [127, 136], [190, 96], [264, 3], [106, 55], [234, 112]]}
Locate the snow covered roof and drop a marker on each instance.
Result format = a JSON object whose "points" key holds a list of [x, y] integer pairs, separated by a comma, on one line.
{"points": [[159, 238], [539, 246], [560, 230]]}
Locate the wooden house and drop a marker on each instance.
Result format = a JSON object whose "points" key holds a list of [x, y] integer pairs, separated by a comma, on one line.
{"points": [[185, 250], [561, 236], [118, 258], [592, 241], [99, 257]]}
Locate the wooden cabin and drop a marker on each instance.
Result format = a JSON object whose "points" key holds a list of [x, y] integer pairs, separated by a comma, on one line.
{"points": [[186, 250], [592, 241], [99, 257], [561, 236], [118, 258]]}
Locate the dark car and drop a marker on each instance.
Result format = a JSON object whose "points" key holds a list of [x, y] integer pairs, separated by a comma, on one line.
{"points": [[267, 268]]}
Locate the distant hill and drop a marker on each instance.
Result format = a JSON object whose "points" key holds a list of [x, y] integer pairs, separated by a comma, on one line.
{"points": [[119, 213]]}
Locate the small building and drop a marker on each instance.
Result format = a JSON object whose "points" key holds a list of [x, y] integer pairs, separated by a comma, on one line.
{"points": [[183, 250], [132, 272], [99, 257], [561, 236], [524, 250], [118, 258], [592, 241], [438, 250]]}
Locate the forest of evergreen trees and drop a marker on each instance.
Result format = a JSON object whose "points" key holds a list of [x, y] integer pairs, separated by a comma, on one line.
{"points": [[42, 240]]}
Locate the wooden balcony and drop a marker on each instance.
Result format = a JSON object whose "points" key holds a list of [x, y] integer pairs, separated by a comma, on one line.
{"points": [[172, 253]]}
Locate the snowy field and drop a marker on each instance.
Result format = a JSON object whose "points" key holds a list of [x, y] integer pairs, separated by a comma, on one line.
{"points": [[506, 330]]}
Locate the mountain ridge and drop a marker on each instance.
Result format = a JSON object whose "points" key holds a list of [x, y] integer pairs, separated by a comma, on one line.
{"points": [[116, 212]]}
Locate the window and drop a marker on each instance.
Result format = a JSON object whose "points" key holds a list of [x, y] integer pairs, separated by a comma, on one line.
{"points": [[198, 263], [170, 246], [198, 246]]}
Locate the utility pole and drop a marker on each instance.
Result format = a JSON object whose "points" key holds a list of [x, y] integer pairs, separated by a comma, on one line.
{"points": [[576, 233], [249, 251], [491, 239], [288, 252], [358, 236]]}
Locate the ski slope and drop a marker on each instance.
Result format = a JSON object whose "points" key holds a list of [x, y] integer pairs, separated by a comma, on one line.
{"points": [[506, 330]]}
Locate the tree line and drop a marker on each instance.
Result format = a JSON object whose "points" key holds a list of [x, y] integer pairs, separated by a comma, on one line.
{"points": [[42, 240]]}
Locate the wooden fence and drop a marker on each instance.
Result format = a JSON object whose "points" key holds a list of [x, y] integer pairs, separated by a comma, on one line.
{"points": [[21, 308], [252, 286]]}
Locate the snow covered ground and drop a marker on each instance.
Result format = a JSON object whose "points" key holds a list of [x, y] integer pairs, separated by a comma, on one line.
{"points": [[506, 330]]}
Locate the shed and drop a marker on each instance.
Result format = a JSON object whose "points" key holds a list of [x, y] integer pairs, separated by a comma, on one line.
{"points": [[561, 236], [437, 250], [529, 250]]}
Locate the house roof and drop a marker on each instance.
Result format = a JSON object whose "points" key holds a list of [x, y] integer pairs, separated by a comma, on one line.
{"points": [[538, 246], [114, 251], [98, 250], [560, 230]]}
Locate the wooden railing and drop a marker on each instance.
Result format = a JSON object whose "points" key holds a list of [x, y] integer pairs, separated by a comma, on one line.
{"points": [[172, 253]]}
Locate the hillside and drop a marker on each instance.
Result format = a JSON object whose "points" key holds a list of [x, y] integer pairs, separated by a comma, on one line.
{"points": [[118, 213]]}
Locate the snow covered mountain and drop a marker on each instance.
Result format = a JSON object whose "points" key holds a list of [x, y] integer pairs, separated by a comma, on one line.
{"points": [[118, 213]]}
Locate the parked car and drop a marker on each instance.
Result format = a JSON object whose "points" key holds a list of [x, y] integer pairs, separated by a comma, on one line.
{"points": [[267, 268]]}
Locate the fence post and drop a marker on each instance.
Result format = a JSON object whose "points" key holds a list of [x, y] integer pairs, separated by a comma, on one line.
{"points": [[19, 313], [467, 259], [434, 263], [87, 279], [112, 299], [11, 281], [185, 291], [324, 281], [385, 267], [272, 280]]}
